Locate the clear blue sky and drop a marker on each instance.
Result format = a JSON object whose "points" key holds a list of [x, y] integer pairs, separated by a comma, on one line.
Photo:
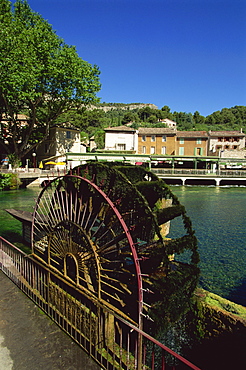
{"points": [[187, 54]]}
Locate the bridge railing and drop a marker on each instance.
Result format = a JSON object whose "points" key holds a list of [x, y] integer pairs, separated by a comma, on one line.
{"points": [[113, 342], [199, 172]]}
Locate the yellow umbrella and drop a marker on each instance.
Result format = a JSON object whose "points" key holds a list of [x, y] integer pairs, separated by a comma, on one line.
{"points": [[60, 163], [50, 162], [41, 165]]}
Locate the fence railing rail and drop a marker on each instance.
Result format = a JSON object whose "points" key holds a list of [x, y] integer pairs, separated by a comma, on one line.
{"points": [[113, 342], [200, 172]]}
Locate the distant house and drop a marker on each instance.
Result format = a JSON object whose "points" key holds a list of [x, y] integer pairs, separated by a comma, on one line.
{"points": [[156, 140], [169, 123], [121, 138], [221, 142], [60, 141], [191, 143]]}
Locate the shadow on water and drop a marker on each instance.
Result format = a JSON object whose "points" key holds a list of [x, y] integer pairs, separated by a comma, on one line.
{"points": [[225, 352], [238, 294]]}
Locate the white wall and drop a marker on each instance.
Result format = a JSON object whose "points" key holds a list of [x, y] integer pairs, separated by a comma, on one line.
{"points": [[118, 140]]}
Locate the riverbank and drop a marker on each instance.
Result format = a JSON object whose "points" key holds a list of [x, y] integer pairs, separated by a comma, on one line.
{"points": [[222, 326]]}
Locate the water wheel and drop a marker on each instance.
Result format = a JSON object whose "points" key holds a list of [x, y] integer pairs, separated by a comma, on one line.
{"points": [[99, 226]]}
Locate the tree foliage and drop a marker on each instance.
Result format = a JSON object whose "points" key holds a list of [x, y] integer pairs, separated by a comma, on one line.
{"points": [[96, 120], [41, 77]]}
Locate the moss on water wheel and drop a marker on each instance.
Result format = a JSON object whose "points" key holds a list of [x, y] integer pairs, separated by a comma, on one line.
{"points": [[105, 220]]}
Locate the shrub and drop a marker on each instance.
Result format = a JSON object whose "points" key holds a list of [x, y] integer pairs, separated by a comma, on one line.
{"points": [[9, 181]]}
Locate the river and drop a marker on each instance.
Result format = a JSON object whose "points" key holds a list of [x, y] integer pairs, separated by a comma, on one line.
{"points": [[218, 217]]}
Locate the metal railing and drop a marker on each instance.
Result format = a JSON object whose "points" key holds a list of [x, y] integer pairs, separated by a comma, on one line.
{"points": [[111, 341], [199, 172]]}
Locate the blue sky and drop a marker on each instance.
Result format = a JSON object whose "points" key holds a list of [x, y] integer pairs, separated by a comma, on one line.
{"points": [[187, 54]]}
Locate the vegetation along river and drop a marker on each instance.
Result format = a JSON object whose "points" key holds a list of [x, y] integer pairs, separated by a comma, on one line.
{"points": [[218, 217]]}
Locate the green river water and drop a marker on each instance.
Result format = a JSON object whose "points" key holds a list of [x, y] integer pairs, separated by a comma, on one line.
{"points": [[218, 217]]}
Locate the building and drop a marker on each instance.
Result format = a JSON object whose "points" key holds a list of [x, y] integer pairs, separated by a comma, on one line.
{"points": [[60, 141], [169, 141], [191, 143], [225, 143], [156, 140], [168, 122], [121, 138]]}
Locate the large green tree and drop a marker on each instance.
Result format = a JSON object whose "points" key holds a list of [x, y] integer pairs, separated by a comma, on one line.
{"points": [[41, 77]]}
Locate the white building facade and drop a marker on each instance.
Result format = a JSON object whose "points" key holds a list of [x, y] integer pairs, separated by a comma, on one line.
{"points": [[121, 138]]}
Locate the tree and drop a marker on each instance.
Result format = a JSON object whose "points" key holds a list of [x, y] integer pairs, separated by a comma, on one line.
{"points": [[198, 119], [145, 113], [184, 120], [41, 77], [166, 112], [129, 117]]}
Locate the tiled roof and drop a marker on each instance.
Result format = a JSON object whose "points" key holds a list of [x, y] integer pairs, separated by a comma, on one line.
{"points": [[226, 133], [120, 128], [156, 131], [191, 134], [66, 126]]}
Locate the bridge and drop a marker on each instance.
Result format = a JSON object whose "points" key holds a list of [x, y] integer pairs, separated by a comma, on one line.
{"points": [[201, 177], [170, 176], [34, 176]]}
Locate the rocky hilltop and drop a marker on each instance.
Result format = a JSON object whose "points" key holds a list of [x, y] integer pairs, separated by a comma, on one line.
{"points": [[112, 106]]}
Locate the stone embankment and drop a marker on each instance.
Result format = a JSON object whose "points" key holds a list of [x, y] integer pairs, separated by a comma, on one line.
{"points": [[223, 334]]}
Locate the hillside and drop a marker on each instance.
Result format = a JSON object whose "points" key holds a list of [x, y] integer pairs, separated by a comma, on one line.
{"points": [[122, 106]]}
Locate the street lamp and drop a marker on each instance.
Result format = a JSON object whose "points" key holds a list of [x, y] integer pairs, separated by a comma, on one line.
{"points": [[34, 160]]}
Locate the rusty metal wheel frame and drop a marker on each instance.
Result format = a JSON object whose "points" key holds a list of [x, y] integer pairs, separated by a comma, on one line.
{"points": [[80, 233]]}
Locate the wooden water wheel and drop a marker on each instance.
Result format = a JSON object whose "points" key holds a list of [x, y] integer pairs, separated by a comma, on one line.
{"points": [[102, 232]]}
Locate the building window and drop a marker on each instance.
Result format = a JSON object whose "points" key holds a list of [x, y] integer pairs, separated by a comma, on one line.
{"points": [[198, 141], [181, 140], [198, 151], [164, 138], [152, 150], [143, 138], [152, 138], [163, 149], [181, 151], [143, 149], [68, 134], [121, 146]]}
